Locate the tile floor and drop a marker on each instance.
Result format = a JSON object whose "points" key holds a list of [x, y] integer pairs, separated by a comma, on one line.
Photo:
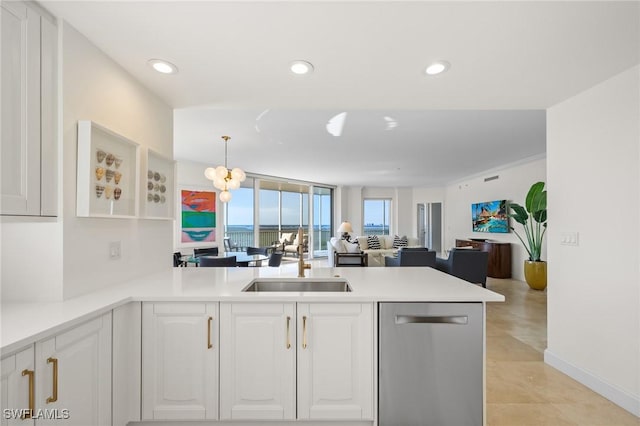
{"points": [[521, 388]]}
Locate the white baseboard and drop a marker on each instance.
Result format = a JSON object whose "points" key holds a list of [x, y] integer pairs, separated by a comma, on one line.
{"points": [[629, 402]]}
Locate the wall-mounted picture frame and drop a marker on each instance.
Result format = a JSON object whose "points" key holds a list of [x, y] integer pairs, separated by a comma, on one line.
{"points": [[490, 216], [197, 217], [107, 173], [158, 187]]}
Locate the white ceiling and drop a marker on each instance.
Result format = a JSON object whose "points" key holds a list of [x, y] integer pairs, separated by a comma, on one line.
{"points": [[509, 61]]}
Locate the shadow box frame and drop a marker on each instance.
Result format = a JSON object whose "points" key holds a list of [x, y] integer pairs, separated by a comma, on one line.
{"points": [[158, 187], [113, 191]]}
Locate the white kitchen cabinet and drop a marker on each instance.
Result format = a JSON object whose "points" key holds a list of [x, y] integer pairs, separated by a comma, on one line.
{"points": [[73, 375], [28, 142], [17, 391], [179, 361], [335, 361], [257, 361], [331, 344]]}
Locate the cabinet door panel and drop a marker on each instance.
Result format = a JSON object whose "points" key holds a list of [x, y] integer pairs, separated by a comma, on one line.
{"points": [[14, 390], [335, 369], [180, 359], [20, 110], [83, 357], [257, 376]]}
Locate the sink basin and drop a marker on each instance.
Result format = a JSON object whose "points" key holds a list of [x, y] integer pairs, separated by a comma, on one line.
{"points": [[299, 285]]}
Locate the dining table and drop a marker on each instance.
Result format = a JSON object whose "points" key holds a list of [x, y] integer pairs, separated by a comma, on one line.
{"points": [[242, 258]]}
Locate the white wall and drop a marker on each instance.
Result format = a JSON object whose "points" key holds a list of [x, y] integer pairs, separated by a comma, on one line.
{"points": [[594, 288], [96, 88], [513, 183], [31, 259]]}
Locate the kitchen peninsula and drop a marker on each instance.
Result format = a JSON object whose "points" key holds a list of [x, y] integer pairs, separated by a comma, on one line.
{"points": [[189, 344]]}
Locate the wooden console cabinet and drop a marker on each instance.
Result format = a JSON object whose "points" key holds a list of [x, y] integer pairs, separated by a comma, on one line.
{"points": [[499, 255]]}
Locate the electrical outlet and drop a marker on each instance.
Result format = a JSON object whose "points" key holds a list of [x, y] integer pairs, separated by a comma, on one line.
{"points": [[569, 238], [114, 250]]}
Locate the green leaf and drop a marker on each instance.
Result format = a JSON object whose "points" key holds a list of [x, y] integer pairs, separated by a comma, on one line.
{"points": [[535, 189], [520, 214], [540, 216]]}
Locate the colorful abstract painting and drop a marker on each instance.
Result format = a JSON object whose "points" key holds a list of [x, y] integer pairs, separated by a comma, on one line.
{"points": [[198, 216], [490, 216]]}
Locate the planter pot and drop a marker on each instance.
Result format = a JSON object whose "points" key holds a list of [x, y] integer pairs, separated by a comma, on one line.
{"points": [[535, 273]]}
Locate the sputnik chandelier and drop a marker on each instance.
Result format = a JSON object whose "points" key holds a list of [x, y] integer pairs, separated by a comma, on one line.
{"points": [[224, 178]]}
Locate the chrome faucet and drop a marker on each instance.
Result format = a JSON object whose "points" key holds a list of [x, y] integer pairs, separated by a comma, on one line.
{"points": [[301, 265]]}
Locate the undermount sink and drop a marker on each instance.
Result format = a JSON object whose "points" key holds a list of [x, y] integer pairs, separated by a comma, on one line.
{"points": [[297, 285]]}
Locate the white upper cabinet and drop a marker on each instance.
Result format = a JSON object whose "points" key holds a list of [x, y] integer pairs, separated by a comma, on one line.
{"points": [[28, 141], [257, 361], [179, 361], [74, 375], [335, 361]]}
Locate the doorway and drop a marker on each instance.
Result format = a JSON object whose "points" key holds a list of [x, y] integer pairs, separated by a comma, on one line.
{"points": [[430, 225]]}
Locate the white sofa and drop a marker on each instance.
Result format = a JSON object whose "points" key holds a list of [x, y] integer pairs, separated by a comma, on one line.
{"points": [[375, 257]]}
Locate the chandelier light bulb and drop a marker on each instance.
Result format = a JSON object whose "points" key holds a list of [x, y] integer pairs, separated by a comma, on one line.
{"points": [[210, 173], [225, 196], [233, 183], [238, 174], [221, 172]]}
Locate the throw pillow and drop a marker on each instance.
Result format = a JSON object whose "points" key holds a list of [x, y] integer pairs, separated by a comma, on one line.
{"points": [[338, 245], [373, 242], [362, 242], [352, 248], [400, 242], [286, 238]]}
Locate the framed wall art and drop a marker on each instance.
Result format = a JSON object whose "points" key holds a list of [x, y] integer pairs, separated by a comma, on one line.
{"points": [[197, 217], [158, 187], [107, 173]]}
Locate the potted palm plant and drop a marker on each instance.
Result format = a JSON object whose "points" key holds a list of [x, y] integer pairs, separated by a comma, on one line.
{"points": [[533, 218]]}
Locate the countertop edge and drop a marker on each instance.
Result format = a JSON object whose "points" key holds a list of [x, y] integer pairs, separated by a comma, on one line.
{"points": [[55, 317]]}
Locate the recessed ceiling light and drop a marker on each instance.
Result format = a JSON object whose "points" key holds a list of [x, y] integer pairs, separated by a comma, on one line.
{"points": [[437, 67], [301, 67], [162, 66]]}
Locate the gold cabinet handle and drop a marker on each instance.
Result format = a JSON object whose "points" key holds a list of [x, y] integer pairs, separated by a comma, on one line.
{"points": [[288, 346], [304, 332], [54, 396], [209, 344], [32, 405]]}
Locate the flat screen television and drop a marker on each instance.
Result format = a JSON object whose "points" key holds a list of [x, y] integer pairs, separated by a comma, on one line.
{"points": [[490, 216]]}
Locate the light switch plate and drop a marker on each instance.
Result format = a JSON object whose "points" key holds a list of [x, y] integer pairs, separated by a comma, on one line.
{"points": [[569, 238], [114, 250]]}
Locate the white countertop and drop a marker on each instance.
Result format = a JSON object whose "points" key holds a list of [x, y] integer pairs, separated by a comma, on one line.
{"points": [[25, 323]]}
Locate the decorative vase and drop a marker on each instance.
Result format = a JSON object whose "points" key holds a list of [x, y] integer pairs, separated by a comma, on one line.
{"points": [[535, 273]]}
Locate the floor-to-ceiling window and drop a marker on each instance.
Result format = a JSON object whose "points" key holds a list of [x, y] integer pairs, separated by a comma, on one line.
{"points": [[269, 216], [376, 215], [239, 215], [322, 219], [282, 207]]}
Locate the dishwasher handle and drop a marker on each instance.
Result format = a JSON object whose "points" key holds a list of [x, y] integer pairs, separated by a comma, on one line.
{"points": [[432, 319]]}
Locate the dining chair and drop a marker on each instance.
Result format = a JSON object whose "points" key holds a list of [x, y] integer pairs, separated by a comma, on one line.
{"points": [[209, 251], [177, 260], [276, 258], [229, 245], [219, 262], [257, 250]]}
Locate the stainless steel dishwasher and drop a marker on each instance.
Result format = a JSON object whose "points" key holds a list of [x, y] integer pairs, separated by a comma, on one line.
{"points": [[430, 364]]}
